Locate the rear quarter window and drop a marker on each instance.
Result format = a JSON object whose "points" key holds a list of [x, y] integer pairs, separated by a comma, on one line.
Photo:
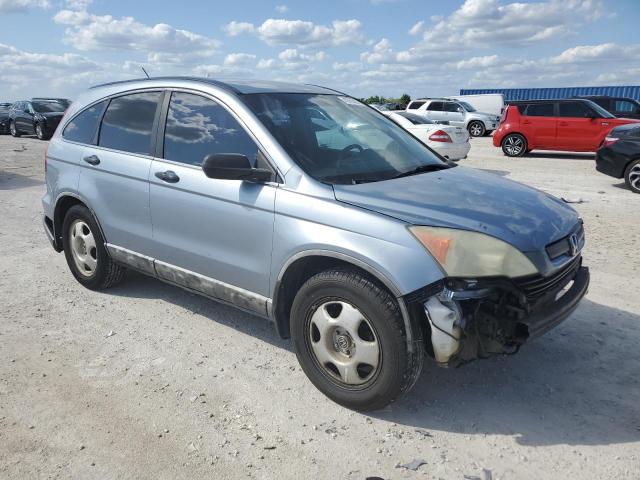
{"points": [[83, 127]]}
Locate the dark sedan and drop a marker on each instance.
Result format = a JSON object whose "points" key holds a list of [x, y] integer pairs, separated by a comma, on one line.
{"points": [[619, 155], [39, 117]]}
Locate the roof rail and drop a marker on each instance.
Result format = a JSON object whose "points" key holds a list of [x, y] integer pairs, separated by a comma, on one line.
{"points": [[217, 83]]}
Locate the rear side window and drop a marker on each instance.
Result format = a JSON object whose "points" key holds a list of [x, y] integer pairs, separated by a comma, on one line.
{"points": [[415, 105], [435, 106], [83, 127], [539, 110], [198, 126], [128, 122], [574, 109], [625, 106]]}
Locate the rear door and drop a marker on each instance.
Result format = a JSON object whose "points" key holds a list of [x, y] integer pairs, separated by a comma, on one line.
{"points": [[578, 130], [115, 173], [211, 235], [539, 125]]}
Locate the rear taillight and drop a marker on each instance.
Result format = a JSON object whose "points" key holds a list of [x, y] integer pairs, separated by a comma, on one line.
{"points": [[608, 141], [440, 136]]}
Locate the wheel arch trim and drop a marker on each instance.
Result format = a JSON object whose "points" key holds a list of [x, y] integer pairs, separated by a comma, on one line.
{"points": [[82, 200]]}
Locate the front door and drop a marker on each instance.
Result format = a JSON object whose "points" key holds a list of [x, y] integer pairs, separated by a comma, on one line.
{"points": [[211, 235], [454, 114], [435, 111], [578, 130]]}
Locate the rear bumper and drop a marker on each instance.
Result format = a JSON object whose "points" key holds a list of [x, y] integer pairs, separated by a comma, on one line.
{"points": [[453, 151], [610, 163], [47, 224]]}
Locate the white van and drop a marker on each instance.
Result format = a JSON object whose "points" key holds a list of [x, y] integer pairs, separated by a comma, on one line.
{"points": [[487, 103]]}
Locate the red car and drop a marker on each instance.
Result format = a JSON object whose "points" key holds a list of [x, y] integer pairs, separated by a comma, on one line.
{"points": [[575, 125]]}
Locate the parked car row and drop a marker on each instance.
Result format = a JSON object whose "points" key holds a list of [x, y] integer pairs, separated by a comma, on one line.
{"points": [[38, 116], [456, 112]]}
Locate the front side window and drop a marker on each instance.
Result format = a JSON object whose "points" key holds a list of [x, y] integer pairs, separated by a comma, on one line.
{"points": [[574, 109], [128, 123], [83, 127], [467, 106], [540, 110], [354, 144], [453, 107], [435, 106], [198, 126]]}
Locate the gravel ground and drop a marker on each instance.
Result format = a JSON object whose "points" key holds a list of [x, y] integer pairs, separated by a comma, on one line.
{"points": [[148, 381]]}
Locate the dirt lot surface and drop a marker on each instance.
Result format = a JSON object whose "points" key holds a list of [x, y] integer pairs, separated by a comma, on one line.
{"points": [[187, 388]]}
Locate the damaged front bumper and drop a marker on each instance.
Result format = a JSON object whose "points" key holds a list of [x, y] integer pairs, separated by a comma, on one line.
{"points": [[478, 318]]}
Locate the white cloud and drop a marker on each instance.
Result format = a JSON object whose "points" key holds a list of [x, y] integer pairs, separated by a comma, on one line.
{"points": [[301, 33], [598, 53], [12, 6], [282, 8], [78, 4], [162, 42], [417, 28], [234, 28], [239, 59]]}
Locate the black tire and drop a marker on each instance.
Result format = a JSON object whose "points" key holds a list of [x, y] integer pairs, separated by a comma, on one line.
{"points": [[476, 128], [106, 273], [398, 368], [41, 131], [632, 176], [13, 130], [514, 145]]}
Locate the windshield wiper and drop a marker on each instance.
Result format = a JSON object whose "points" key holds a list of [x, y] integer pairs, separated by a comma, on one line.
{"points": [[422, 169]]}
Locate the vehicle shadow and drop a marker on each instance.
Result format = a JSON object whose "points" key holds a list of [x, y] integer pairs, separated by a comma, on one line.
{"points": [[137, 285], [561, 155], [576, 385], [14, 181]]}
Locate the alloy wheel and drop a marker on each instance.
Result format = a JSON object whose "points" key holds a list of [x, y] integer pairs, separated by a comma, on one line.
{"points": [[12, 129], [634, 176], [344, 343], [513, 145], [83, 248], [475, 129]]}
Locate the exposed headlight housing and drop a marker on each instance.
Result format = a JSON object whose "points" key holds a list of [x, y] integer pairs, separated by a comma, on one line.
{"points": [[461, 253]]}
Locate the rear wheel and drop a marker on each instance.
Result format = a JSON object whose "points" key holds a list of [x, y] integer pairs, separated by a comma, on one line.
{"points": [[349, 338], [85, 252], [13, 129], [632, 176], [476, 128], [514, 145]]}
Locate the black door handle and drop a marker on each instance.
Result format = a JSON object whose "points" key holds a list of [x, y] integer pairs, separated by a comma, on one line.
{"points": [[92, 160], [169, 176]]}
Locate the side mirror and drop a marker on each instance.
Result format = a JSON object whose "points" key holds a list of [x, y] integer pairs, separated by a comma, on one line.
{"points": [[233, 166]]}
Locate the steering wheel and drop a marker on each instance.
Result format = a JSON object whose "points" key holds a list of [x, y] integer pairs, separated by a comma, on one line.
{"points": [[344, 153]]}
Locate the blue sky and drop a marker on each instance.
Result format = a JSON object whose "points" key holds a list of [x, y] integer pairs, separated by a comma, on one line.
{"points": [[363, 47]]}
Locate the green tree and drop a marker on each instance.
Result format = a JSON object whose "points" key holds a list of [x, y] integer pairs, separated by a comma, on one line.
{"points": [[405, 99]]}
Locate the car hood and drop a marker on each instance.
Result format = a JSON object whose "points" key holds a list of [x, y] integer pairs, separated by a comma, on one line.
{"points": [[468, 199]]}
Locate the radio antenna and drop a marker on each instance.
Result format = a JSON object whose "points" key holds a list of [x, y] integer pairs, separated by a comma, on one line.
{"points": [[145, 72]]}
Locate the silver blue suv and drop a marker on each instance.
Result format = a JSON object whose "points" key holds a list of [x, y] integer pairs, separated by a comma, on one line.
{"points": [[305, 206]]}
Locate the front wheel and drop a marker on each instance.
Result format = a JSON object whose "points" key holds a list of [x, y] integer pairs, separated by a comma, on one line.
{"points": [[40, 132], [85, 252], [632, 176], [476, 129], [349, 338], [13, 129], [514, 145]]}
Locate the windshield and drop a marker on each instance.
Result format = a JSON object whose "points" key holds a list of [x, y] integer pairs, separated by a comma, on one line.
{"points": [[415, 118], [599, 110], [337, 139], [467, 106], [48, 107]]}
